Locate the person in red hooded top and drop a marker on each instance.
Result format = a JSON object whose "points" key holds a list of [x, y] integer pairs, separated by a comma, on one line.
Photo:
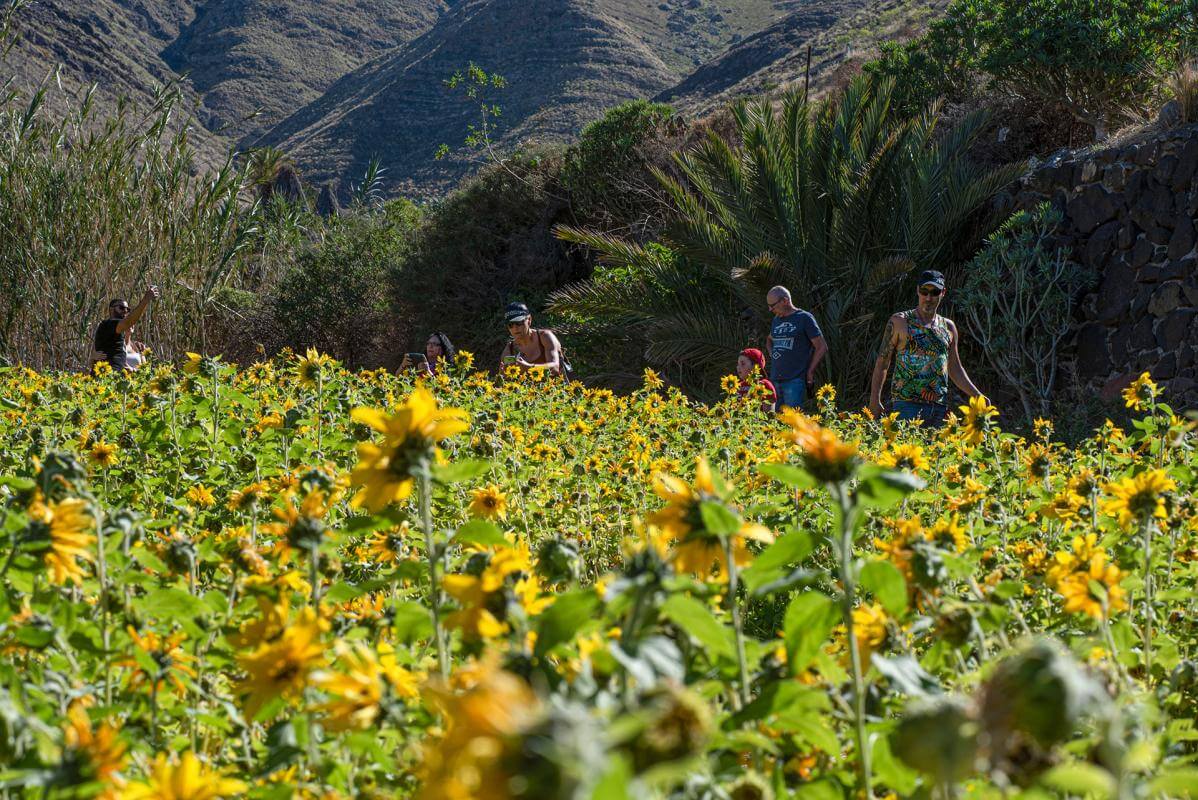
{"points": [[750, 363]]}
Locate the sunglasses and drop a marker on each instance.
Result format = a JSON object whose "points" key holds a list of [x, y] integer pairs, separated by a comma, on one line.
{"points": [[929, 291], [770, 306]]}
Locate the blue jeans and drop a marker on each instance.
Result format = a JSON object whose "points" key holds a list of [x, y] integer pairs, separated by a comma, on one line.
{"points": [[932, 414], [791, 393]]}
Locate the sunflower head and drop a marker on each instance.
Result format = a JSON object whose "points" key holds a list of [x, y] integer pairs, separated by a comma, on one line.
{"points": [[825, 456], [102, 454], [488, 502], [1141, 392]]}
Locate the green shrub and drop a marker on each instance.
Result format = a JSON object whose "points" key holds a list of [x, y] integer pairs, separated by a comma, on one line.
{"points": [[606, 173], [1018, 297], [479, 248], [1093, 59], [336, 296]]}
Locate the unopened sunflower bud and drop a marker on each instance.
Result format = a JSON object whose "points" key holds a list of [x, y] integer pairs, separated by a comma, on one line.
{"points": [[937, 736], [1041, 692]]}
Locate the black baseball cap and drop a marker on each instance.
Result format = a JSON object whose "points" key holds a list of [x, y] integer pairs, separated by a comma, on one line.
{"points": [[931, 277], [516, 312]]}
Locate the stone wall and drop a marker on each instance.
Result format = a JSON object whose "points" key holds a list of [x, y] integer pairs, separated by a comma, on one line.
{"points": [[1130, 216]]}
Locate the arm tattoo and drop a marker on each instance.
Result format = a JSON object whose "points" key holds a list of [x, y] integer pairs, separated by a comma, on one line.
{"points": [[886, 352]]}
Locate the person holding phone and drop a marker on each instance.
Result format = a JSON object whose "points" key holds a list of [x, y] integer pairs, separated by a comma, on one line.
{"points": [[110, 340], [438, 351]]}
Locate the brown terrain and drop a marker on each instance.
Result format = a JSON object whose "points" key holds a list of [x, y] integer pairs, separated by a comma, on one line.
{"points": [[338, 83]]}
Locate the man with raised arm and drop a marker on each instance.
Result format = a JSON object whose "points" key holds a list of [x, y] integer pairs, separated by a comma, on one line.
{"points": [[109, 342], [923, 345], [796, 346]]}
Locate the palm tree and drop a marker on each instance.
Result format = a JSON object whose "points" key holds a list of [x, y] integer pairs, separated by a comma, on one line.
{"points": [[836, 200]]}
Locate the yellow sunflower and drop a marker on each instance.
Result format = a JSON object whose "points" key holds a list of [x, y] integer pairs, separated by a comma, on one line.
{"points": [[187, 778], [66, 524], [825, 456], [356, 691], [1139, 498], [488, 503], [280, 668], [103, 454], [978, 419], [1141, 392], [386, 471]]}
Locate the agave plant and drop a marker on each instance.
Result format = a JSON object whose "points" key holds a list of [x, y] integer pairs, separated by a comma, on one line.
{"points": [[837, 200]]}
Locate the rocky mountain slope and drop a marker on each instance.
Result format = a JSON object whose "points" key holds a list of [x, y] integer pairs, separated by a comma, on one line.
{"points": [[563, 61], [840, 33], [336, 83], [273, 56]]}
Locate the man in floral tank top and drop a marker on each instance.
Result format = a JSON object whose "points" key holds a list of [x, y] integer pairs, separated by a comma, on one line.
{"points": [[923, 346]]}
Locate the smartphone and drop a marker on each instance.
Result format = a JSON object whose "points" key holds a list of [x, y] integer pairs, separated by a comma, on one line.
{"points": [[417, 358]]}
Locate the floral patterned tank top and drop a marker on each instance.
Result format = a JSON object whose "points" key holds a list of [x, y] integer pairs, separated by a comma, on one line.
{"points": [[921, 366]]}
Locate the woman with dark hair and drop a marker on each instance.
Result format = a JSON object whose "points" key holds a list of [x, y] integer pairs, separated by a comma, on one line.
{"points": [[750, 362], [438, 351]]}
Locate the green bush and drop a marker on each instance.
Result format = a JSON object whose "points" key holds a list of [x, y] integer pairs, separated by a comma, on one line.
{"points": [[336, 296], [479, 248], [606, 173], [1019, 296], [1093, 59]]}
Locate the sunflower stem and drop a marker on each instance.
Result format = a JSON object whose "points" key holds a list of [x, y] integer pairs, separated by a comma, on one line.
{"points": [[1147, 531], [848, 600], [737, 626], [426, 524]]}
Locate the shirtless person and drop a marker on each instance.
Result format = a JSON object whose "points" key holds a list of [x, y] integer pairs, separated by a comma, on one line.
{"points": [[530, 348], [923, 345]]}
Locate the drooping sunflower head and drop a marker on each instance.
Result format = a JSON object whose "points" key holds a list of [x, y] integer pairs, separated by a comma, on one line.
{"points": [[825, 456], [280, 668], [67, 526], [978, 419], [184, 778], [386, 472], [1141, 392], [91, 753]]}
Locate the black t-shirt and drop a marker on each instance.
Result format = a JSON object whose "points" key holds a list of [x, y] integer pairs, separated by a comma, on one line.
{"points": [[111, 343]]}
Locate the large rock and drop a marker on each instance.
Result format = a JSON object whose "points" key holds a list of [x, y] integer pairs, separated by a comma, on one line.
{"points": [[1101, 244], [1179, 269], [1165, 299], [1187, 165], [1182, 240], [1166, 366], [1153, 206], [1093, 357], [1092, 207], [1141, 251], [1113, 389], [1142, 337], [1190, 290], [1115, 292], [1175, 329]]}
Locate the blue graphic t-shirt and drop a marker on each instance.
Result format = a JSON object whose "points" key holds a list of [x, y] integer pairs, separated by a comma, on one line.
{"points": [[790, 353]]}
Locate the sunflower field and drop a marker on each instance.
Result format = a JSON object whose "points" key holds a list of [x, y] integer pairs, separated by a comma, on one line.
{"points": [[293, 580]]}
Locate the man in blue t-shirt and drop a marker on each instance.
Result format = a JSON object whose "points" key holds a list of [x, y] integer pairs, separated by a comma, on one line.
{"points": [[796, 346]]}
